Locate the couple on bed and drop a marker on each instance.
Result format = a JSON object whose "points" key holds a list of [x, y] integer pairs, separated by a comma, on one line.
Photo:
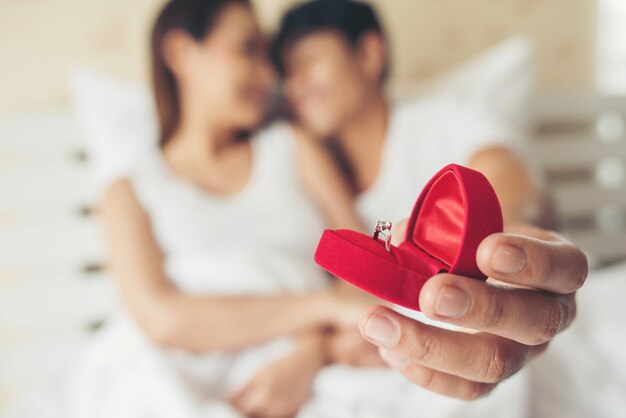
{"points": [[211, 237]]}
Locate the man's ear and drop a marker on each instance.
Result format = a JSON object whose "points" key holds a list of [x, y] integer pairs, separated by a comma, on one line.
{"points": [[373, 55], [175, 48]]}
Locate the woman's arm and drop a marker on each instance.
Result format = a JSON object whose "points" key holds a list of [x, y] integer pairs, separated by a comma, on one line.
{"points": [[330, 192], [198, 323], [325, 183]]}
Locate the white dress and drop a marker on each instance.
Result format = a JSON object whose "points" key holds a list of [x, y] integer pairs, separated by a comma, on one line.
{"points": [[258, 242]]}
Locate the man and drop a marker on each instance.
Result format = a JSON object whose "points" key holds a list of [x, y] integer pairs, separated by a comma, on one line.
{"points": [[334, 59]]}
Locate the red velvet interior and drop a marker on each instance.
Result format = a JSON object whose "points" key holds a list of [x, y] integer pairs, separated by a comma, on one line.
{"points": [[440, 222]]}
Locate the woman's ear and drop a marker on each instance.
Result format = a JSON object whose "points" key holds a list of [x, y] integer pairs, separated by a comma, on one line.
{"points": [[373, 54], [176, 47]]}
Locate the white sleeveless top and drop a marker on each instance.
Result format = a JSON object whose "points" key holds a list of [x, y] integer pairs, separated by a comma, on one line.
{"points": [[425, 135], [258, 241]]}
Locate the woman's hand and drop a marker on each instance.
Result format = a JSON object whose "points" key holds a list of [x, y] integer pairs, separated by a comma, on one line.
{"points": [[347, 305], [280, 389], [348, 347], [516, 323]]}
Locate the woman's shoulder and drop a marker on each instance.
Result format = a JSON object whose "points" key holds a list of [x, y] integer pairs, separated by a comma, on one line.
{"points": [[274, 145], [278, 157], [275, 134], [146, 178]]}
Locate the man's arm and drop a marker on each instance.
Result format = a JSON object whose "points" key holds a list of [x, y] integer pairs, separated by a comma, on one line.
{"points": [[520, 197]]}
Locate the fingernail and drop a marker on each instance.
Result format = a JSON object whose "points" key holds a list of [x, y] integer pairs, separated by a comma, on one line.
{"points": [[394, 359], [452, 302], [382, 330], [508, 259]]}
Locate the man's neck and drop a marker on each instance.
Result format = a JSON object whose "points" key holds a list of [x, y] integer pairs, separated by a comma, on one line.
{"points": [[362, 140]]}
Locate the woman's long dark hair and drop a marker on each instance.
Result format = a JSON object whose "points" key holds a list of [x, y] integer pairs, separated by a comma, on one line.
{"points": [[196, 17]]}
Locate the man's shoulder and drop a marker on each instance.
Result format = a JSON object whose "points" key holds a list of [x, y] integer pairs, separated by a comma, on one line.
{"points": [[420, 108]]}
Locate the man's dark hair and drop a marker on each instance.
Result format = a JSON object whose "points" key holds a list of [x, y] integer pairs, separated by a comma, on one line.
{"points": [[350, 18]]}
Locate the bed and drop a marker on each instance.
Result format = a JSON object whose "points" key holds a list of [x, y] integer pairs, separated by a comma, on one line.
{"points": [[54, 292]]}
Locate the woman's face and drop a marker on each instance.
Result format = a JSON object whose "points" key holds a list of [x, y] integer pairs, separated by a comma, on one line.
{"points": [[227, 74]]}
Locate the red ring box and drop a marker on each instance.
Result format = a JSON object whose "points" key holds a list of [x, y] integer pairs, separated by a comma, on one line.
{"points": [[457, 209]]}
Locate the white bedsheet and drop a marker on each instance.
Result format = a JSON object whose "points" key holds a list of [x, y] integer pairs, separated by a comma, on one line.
{"points": [[126, 376], [151, 386], [583, 374]]}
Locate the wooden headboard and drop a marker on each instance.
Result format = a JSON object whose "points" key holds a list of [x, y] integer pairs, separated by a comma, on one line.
{"points": [[579, 143]]}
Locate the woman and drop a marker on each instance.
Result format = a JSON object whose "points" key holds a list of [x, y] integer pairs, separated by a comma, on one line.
{"points": [[210, 242]]}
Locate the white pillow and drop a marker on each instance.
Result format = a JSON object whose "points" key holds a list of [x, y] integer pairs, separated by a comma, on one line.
{"points": [[500, 80], [118, 121]]}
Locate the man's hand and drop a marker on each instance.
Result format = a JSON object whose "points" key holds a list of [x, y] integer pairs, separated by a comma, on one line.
{"points": [[515, 321]]}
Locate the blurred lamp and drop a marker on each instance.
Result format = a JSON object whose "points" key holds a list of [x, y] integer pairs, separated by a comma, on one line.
{"points": [[611, 219], [610, 127], [610, 173]]}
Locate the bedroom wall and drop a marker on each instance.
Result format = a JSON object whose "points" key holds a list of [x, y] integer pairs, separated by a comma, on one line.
{"points": [[42, 40]]}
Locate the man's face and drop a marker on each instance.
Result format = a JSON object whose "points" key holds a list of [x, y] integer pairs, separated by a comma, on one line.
{"points": [[325, 83]]}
